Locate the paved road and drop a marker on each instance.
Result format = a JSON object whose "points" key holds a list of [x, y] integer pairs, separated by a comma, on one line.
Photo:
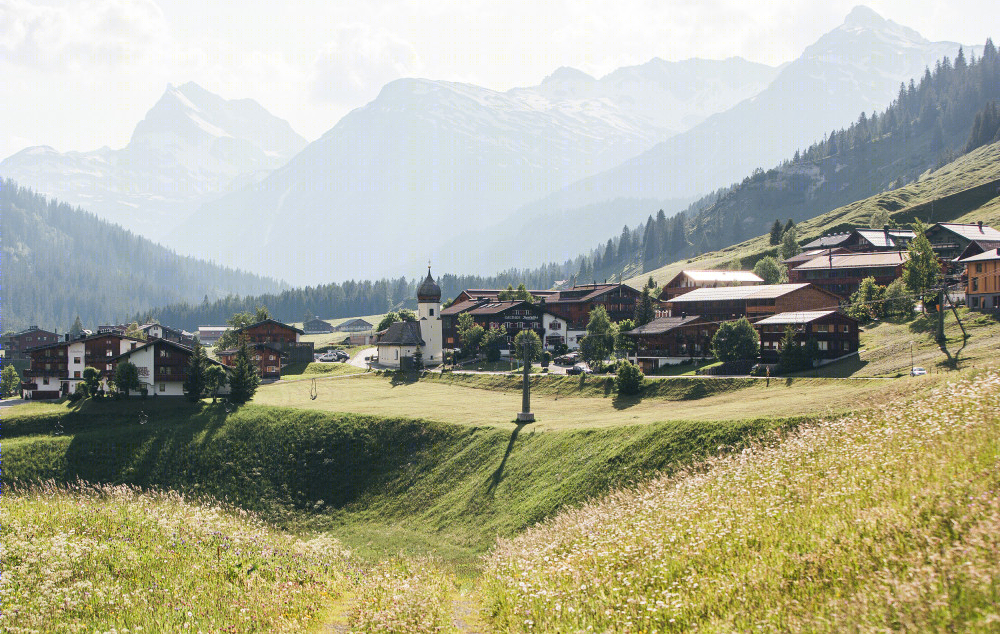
{"points": [[10, 402], [358, 360]]}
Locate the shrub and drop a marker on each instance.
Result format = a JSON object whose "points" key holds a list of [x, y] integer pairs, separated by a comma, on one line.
{"points": [[628, 378]]}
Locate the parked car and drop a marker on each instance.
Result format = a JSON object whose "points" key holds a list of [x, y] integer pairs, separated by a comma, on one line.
{"points": [[918, 371], [341, 355], [580, 368], [327, 357], [567, 359]]}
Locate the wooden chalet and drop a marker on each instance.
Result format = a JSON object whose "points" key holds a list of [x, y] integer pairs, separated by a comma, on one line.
{"points": [[690, 279], [835, 333], [752, 302], [281, 337], [950, 239], [17, 345], [159, 331], [514, 316], [671, 340], [266, 357], [162, 366], [842, 273], [57, 368], [317, 326], [354, 325]]}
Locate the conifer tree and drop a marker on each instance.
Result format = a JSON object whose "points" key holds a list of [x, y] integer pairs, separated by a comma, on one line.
{"points": [[194, 382], [244, 381], [776, 231]]}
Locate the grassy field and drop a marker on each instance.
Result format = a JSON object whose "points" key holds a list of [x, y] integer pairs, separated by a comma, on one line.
{"points": [[573, 403], [976, 168], [113, 558], [885, 521]]}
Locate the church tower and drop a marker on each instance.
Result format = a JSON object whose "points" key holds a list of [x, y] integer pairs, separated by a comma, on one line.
{"points": [[429, 317]]}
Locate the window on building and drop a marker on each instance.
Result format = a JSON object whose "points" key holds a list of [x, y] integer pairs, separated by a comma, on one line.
{"points": [[76, 374], [823, 345], [975, 284], [108, 353], [975, 302], [45, 380], [979, 267], [847, 328], [76, 359], [163, 387], [432, 312]]}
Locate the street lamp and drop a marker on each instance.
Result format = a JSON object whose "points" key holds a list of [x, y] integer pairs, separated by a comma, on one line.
{"points": [[911, 358]]}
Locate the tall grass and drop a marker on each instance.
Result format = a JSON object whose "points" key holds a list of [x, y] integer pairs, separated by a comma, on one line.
{"points": [[887, 520], [408, 596], [82, 558]]}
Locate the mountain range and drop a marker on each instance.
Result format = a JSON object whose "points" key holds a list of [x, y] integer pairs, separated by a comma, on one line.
{"points": [[191, 147], [478, 180]]}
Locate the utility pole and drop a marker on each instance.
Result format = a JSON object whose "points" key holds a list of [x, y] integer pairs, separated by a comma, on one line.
{"points": [[525, 415], [940, 324]]}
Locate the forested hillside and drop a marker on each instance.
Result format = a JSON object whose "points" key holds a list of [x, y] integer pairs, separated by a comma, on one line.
{"points": [[346, 299], [949, 112], [60, 262]]}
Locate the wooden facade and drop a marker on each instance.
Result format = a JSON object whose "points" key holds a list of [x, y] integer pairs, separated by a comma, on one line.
{"points": [[513, 316], [16, 346], [835, 333], [689, 280], [752, 302], [843, 273], [670, 340], [265, 357]]}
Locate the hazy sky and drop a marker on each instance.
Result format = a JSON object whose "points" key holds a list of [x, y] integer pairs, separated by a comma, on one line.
{"points": [[78, 75]]}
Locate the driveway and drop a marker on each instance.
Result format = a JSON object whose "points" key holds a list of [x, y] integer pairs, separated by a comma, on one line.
{"points": [[358, 360]]}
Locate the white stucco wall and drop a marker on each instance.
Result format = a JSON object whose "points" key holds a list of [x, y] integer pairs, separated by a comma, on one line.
{"points": [[389, 356], [431, 331], [562, 327]]}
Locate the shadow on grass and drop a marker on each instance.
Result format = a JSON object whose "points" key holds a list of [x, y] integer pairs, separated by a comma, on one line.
{"points": [[403, 378], [498, 474], [625, 401]]}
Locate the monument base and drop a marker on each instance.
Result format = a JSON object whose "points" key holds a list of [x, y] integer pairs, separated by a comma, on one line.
{"points": [[525, 417]]}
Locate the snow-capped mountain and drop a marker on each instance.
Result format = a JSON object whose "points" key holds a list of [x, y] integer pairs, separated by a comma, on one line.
{"points": [[191, 147], [856, 67], [428, 160]]}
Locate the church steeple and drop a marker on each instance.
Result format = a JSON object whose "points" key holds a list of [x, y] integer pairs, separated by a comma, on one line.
{"points": [[429, 291]]}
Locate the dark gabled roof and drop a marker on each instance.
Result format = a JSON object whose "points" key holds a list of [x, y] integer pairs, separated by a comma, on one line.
{"points": [[357, 321], [401, 333], [585, 292], [270, 321], [461, 307], [663, 325]]}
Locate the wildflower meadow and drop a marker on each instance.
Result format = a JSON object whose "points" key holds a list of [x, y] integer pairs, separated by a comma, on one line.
{"points": [[885, 520]]}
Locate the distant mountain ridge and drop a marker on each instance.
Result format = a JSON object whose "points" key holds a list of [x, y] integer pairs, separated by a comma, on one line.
{"points": [[60, 262], [192, 146], [856, 67], [427, 160]]}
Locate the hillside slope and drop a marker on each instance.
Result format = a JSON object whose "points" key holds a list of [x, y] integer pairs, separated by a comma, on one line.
{"points": [[60, 262], [964, 190], [888, 520]]}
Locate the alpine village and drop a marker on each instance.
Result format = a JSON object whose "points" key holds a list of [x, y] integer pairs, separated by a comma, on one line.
{"points": [[771, 407]]}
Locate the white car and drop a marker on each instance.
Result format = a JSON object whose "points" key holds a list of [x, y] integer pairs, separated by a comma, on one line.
{"points": [[918, 371]]}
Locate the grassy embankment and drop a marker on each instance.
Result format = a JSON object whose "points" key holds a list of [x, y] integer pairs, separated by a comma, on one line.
{"points": [[888, 520], [379, 484]]}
